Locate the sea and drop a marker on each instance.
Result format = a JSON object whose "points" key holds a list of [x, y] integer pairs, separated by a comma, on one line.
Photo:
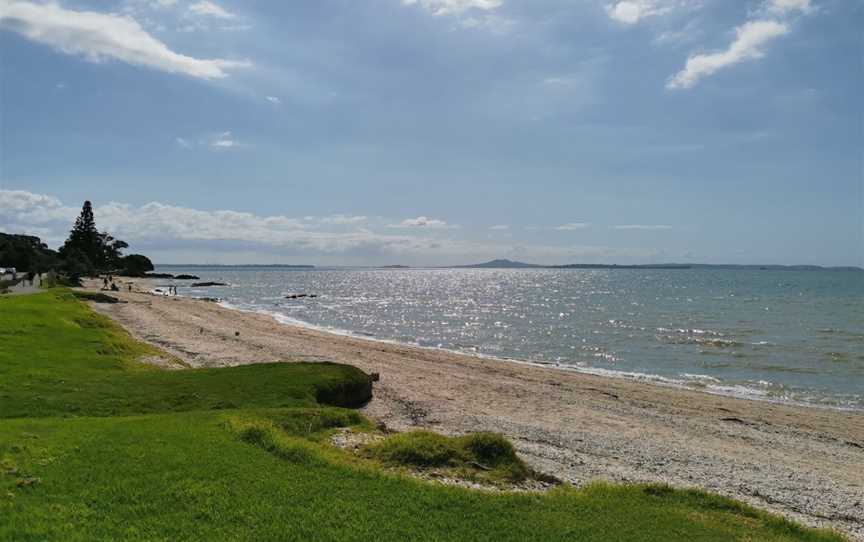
{"points": [[774, 335]]}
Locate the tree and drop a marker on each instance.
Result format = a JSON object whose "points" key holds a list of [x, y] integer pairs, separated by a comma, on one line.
{"points": [[26, 252], [136, 265], [89, 250], [112, 252], [77, 265], [84, 237]]}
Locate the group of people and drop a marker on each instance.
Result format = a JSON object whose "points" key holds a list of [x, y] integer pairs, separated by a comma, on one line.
{"points": [[108, 284]]}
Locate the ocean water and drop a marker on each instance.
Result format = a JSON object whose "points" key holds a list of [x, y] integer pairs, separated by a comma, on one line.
{"points": [[792, 336]]}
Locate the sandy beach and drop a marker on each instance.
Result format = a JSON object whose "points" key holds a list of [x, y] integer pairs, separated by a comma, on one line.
{"points": [[804, 463]]}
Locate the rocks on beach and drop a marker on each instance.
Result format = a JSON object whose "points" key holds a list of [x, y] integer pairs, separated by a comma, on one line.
{"points": [[207, 284], [301, 296]]}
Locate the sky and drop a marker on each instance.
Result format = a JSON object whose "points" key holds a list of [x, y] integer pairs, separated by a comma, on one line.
{"points": [[437, 132]]}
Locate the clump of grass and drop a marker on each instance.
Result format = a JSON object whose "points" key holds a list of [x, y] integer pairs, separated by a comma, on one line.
{"points": [[317, 423], [486, 457], [266, 435]]}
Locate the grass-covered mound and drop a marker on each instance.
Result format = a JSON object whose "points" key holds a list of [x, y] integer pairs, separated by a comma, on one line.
{"points": [[484, 457], [94, 446], [58, 358]]}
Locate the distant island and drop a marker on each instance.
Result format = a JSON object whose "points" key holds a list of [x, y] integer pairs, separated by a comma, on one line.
{"points": [[510, 264]]}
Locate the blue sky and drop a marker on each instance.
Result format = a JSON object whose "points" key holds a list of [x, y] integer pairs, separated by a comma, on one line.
{"points": [[439, 131]]}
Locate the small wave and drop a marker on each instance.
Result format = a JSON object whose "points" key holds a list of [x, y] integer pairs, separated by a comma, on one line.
{"points": [[700, 379], [703, 341], [695, 331]]}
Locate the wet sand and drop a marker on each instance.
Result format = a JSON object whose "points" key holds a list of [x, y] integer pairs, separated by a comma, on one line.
{"points": [[804, 463]]}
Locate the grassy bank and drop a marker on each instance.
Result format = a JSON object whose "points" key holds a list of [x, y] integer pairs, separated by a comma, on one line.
{"points": [[96, 446]]}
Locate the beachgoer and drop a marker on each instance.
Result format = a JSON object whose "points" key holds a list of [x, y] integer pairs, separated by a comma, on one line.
{"points": [[104, 283]]}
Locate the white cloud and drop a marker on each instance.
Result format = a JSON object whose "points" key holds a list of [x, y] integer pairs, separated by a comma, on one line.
{"points": [[424, 222], [454, 7], [499, 227], [209, 9], [573, 226], [223, 141], [340, 220], [21, 201], [647, 227], [785, 7], [219, 141], [273, 99], [749, 40], [630, 12], [99, 36], [180, 234]]}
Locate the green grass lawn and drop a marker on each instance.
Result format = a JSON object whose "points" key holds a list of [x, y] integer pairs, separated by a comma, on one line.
{"points": [[95, 446]]}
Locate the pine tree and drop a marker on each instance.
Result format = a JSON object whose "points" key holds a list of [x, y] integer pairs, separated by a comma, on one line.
{"points": [[84, 240], [87, 251]]}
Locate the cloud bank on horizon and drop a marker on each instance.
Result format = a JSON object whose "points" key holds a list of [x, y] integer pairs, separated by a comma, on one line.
{"points": [[224, 234], [440, 130]]}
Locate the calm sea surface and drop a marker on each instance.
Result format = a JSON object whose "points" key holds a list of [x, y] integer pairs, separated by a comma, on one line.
{"points": [[778, 335]]}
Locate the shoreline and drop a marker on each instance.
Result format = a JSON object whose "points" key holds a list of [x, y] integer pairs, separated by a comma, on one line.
{"points": [[799, 461], [627, 376]]}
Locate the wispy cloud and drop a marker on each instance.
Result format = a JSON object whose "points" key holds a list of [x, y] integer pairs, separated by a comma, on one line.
{"points": [[641, 227], [424, 222], [771, 21], [784, 7], [273, 99], [218, 141], [749, 41], [630, 12], [499, 227], [210, 9], [340, 220], [573, 226], [99, 36], [454, 7], [225, 140]]}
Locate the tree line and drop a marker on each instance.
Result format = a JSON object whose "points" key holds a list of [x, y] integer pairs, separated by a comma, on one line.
{"points": [[86, 253]]}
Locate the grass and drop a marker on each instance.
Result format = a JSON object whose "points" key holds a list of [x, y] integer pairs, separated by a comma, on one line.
{"points": [[95, 446], [58, 358], [482, 457]]}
